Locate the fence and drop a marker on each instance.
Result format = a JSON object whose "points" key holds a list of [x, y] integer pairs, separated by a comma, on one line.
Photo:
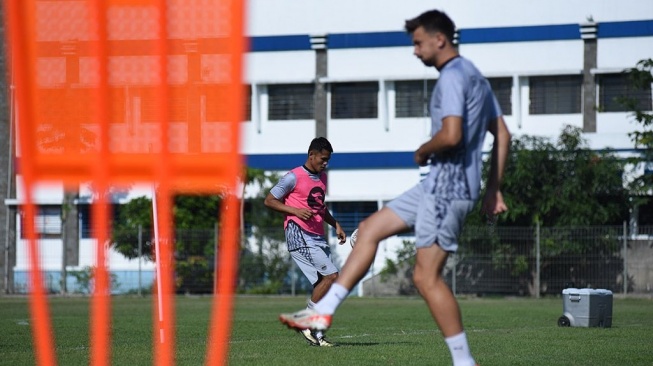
{"points": [[523, 261]]}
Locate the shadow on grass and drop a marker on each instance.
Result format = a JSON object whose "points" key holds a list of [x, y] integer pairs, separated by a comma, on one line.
{"points": [[358, 344]]}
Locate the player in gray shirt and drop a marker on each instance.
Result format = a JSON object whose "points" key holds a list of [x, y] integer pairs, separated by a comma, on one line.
{"points": [[462, 108]]}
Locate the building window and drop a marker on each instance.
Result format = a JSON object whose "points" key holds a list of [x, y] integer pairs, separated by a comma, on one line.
{"points": [[555, 94], [178, 103], [248, 103], [354, 100], [85, 224], [85, 213], [502, 88], [215, 105], [614, 89], [412, 97], [47, 222], [290, 101], [349, 214]]}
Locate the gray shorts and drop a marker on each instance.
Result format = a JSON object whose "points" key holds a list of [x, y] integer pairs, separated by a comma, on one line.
{"points": [[436, 220], [310, 252]]}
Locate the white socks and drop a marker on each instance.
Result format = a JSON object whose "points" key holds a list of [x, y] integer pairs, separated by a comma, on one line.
{"points": [[333, 298], [459, 349]]}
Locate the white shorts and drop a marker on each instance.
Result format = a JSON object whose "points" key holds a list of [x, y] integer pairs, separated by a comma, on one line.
{"points": [[436, 220], [310, 252]]}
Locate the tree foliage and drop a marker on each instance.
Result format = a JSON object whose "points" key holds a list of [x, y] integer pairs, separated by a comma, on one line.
{"points": [[562, 183], [264, 263], [641, 78], [129, 217]]}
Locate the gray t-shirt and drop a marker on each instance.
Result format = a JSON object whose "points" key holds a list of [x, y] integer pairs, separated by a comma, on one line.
{"points": [[461, 91]]}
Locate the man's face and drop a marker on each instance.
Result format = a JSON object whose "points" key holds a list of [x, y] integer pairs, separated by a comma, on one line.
{"points": [[426, 45], [318, 160]]}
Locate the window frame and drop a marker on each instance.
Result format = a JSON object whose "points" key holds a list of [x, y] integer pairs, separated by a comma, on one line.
{"points": [[554, 95], [294, 106], [407, 108], [354, 104], [623, 89]]}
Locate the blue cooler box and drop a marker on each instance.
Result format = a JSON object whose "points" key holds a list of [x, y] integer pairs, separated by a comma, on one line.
{"points": [[586, 307]]}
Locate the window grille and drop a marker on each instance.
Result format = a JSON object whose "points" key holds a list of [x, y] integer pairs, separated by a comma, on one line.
{"points": [[354, 100], [215, 108], [290, 102], [47, 222], [177, 104], [502, 88], [412, 97], [613, 87], [555, 94], [349, 214]]}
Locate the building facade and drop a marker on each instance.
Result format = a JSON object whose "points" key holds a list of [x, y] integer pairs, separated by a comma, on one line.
{"points": [[345, 70]]}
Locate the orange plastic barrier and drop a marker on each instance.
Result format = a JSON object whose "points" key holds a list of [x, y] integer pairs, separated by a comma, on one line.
{"points": [[116, 92]]}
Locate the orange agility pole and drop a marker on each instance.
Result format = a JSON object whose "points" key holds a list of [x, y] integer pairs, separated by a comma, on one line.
{"points": [[117, 92]]}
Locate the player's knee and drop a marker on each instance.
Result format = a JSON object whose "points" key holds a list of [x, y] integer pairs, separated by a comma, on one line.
{"points": [[423, 280]]}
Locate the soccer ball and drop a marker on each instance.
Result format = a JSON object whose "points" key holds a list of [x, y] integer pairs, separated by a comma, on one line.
{"points": [[353, 237]]}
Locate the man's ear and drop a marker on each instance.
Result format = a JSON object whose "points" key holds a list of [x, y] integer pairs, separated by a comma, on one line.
{"points": [[441, 39]]}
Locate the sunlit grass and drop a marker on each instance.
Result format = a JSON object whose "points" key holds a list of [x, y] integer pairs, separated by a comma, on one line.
{"points": [[369, 331]]}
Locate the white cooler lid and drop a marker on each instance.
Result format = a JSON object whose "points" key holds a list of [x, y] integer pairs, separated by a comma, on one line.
{"points": [[586, 291]]}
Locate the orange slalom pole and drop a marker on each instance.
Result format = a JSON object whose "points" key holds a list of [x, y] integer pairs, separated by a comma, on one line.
{"points": [[221, 317], [20, 18], [165, 346], [101, 302]]}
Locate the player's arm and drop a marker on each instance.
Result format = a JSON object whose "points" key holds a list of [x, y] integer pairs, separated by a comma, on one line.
{"points": [[329, 219], [276, 204], [275, 200], [493, 203], [447, 138]]}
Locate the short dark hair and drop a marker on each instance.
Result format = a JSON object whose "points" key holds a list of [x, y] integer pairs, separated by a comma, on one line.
{"points": [[432, 21], [319, 144]]}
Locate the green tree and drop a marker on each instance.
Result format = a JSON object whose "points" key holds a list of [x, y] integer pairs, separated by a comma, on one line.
{"points": [[264, 264], [641, 78], [129, 217], [563, 183]]}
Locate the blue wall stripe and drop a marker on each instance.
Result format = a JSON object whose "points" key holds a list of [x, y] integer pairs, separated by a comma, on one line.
{"points": [[520, 34], [362, 40], [368, 160], [280, 43], [638, 28], [362, 160]]}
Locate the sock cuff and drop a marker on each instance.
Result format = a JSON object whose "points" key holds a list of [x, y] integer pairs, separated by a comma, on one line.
{"points": [[456, 338]]}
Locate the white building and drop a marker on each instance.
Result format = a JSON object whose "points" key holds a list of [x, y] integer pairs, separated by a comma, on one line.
{"points": [[344, 69]]}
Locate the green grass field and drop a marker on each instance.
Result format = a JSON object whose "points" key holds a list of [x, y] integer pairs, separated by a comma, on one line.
{"points": [[369, 331]]}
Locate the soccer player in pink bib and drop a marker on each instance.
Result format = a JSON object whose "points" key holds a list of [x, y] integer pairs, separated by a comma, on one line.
{"points": [[300, 196]]}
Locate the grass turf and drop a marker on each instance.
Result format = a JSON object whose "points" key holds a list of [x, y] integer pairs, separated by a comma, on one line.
{"points": [[368, 331]]}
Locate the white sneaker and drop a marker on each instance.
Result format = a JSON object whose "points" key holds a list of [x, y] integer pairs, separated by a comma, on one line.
{"points": [[306, 319], [324, 343], [310, 337]]}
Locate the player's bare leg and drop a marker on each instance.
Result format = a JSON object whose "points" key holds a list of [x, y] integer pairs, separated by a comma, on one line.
{"points": [[371, 231], [381, 225], [435, 291], [323, 286], [441, 302]]}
